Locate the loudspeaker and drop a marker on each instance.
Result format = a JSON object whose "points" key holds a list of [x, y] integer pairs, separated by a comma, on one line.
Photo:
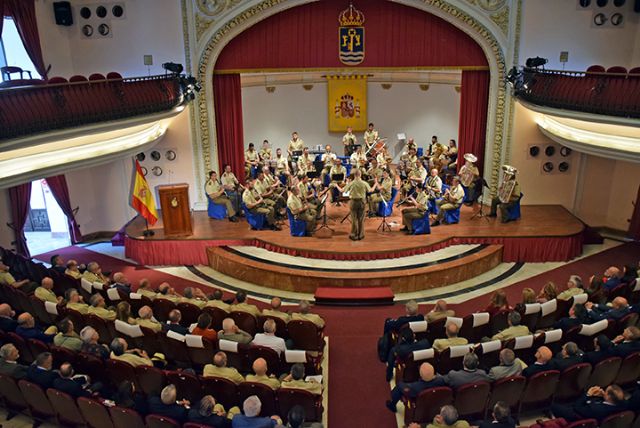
{"points": [[62, 11]]}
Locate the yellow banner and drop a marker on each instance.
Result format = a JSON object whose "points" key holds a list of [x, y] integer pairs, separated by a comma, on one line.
{"points": [[347, 103]]}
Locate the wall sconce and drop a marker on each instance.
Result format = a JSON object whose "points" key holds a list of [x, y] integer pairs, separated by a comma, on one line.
{"points": [[307, 86], [386, 86], [424, 87], [270, 89], [457, 88]]}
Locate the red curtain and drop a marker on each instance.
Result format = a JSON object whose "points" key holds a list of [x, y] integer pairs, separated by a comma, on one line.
{"points": [[474, 103], [227, 101], [23, 13], [60, 191], [20, 197], [634, 223]]}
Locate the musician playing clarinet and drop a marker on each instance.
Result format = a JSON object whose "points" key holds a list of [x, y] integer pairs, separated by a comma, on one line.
{"points": [[382, 192], [215, 192], [232, 187], [451, 200], [508, 194], [371, 137], [417, 209]]}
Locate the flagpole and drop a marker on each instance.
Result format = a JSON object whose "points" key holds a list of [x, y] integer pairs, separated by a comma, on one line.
{"points": [[147, 232]]}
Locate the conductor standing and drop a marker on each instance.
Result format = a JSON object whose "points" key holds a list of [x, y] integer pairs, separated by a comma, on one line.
{"points": [[358, 190]]}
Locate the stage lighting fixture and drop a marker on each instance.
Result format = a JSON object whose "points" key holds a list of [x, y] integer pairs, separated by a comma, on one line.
{"points": [[536, 62], [173, 67], [513, 75]]}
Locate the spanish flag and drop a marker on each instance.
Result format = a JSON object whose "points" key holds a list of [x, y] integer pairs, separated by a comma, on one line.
{"points": [[142, 197]]}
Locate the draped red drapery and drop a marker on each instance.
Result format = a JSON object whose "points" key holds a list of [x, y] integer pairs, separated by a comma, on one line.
{"points": [[23, 13], [227, 101], [472, 127], [20, 197], [60, 191], [634, 223]]}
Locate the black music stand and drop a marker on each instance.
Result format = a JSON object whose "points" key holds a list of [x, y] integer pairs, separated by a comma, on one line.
{"points": [[324, 224], [337, 177], [386, 227], [481, 183]]}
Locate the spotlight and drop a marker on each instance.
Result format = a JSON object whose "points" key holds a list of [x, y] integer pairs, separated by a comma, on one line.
{"points": [[513, 75], [173, 67], [536, 62], [189, 86]]}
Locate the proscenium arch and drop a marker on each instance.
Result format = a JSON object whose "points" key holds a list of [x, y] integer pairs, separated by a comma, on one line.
{"points": [[219, 36]]}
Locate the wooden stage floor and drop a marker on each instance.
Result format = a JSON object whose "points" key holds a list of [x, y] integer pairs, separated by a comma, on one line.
{"points": [[538, 222]]}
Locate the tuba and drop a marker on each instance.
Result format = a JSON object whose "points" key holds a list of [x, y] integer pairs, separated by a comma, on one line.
{"points": [[466, 174], [506, 187]]}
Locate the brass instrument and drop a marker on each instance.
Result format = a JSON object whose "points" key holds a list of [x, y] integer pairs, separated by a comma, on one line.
{"points": [[466, 174], [508, 183]]}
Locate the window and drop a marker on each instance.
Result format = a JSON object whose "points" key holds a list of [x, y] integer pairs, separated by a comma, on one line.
{"points": [[12, 50]]}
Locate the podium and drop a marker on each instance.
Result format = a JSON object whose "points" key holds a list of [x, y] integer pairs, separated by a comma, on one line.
{"points": [[176, 212]]}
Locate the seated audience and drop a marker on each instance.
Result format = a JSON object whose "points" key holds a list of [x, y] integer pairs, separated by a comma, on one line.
{"points": [[123, 313], [27, 329], [121, 283], [569, 356], [304, 314], [215, 300], [405, 345], [167, 405], [127, 397], [295, 380], [203, 327], [577, 316], [627, 343], [9, 365], [67, 337], [500, 417], [219, 369], [448, 418], [7, 322], [260, 369], [596, 403], [90, 343], [230, 331], [612, 278], [40, 371], [173, 323], [470, 372], [629, 274], [412, 315], [68, 383], [73, 270], [275, 311], [269, 338], [24, 285], [144, 289], [74, 301], [98, 308], [57, 263], [509, 365], [596, 290], [602, 350], [45, 291], [166, 291], [428, 379], [543, 362], [574, 287], [514, 330], [242, 305], [194, 296], [498, 303], [135, 357], [296, 418], [548, 292], [439, 311], [250, 419], [619, 308], [451, 330], [208, 412], [93, 273], [528, 296], [145, 319]]}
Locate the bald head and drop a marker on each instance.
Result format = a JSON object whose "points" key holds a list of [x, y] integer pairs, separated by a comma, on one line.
{"points": [[452, 329], [220, 359], [441, 306], [619, 303], [260, 367], [26, 320], [119, 278], [228, 325], [47, 283], [276, 303], [543, 355], [6, 311], [427, 372], [145, 313]]}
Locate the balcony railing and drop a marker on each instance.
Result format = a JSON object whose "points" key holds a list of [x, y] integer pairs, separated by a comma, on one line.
{"points": [[610, 94], [29, 110]]}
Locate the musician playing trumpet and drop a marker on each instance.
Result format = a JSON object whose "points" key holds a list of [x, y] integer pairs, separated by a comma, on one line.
{"points": [[382, 192], [508, 194], [434, 185], [469, 175], [215, 192], [327, 159], [417, 209], [257, 205], [451, 200], [267, 192], [301, 210]]}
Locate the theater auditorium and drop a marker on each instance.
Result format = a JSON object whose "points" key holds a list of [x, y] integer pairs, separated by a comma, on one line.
{"points": [[320, 213]]}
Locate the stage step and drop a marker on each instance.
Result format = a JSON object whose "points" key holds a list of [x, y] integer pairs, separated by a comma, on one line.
{"points": [[353, 296]]}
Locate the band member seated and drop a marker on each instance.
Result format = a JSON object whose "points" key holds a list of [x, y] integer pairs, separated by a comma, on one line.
{"points": [[268, 192], [337, 169], [282, 165], [374, 173], [438, 156], [508, 193], [349, 141], [301, 210], [451, 200], [358, 190], [383, 158], [358, 157], [305, 163], [370, 137], [327, 159], [417, 210], [416, 176], [251, 160], [469, 175], [452, 155], [257, 205], [383, 189], [215, 191], [264, 154], [232, 187], [305, 193], [434, 185], [411, 145], [295, 150]]}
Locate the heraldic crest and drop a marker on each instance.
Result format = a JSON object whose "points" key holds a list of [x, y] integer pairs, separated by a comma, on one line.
{"points": [[351, 36]]}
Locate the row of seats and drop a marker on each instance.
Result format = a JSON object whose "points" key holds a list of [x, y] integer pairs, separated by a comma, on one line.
{"points": [[616, 69], [113, 75]]}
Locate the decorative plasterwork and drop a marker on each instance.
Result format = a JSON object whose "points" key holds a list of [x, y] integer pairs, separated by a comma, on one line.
{"points": [[489, 5], [214, 8], [502, 20], [202, 25]]}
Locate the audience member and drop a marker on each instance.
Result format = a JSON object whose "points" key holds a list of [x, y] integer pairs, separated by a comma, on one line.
{"points": [[98, 308], [40, 371], [498, 303], [66, 382], [173, 323], [7, 322], [405, 345], [123, 313], [219, 369], [127, 397], [74, 301], [260, 369], [93, 273], [90, 343], [304, 315], [73, 270], [146, 319], [509, 365], [569, 356], [514, 330], [451, 330], [548, 292], [27, 329], [9, 365], [439, 311], [230, 331], [194, 296], [269, 338], [24, 285], [500, 417], [611, 278], [596, 290], [215, 300], [135, 357], [627, 343], [251, 419], [203, 327], [57, 263], [528, 296], [295, 380], [629, 274], [67, 337], [596, 403], [448, 418], [242, 305], [577, 315], [208, 412], [121, 283], [470, 372], [296, 418], [275, 311], [167, 405], [574, 287], [144, 289], [543, 362], [602, 350], [412, 315], [45, 291], [428, 379], [619, 308], [166, 291]]}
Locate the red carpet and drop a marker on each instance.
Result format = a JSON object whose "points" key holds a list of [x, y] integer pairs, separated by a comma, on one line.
{"points": [[357, 390]]}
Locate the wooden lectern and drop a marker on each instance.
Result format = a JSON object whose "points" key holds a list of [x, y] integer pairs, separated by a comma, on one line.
{"points": [[176, 212]]}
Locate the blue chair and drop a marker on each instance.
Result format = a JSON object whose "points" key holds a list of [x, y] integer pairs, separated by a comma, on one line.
{"points": [[256, 221], [452, 216], [420, 226], [514, 212], [386, 209], [432, 206], [467, 198], [254, 171], [283, 179], [216, 211], [296, 227], [348, 168], [327, 180], [420, 152]]}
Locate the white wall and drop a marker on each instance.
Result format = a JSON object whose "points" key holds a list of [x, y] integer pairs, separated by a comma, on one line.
{"points": [[403, 108], [552, 26]]}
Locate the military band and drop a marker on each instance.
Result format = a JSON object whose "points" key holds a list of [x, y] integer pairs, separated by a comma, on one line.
{"points": [[216, 193], [508, 194], [251, 161], [349, 140], [451, 200]]}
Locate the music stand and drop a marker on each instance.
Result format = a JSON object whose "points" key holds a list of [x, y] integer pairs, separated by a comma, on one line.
{"points": [[482, 183], [324, 224], [386, 227], [339, 178]]}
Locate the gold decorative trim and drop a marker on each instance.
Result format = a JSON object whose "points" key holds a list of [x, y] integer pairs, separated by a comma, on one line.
{"points": [[348, 69], [202, 25], [516, 60], [502, 20]]}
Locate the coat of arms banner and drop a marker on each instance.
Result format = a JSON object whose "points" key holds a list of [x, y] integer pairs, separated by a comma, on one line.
{"points": [[347, 102]]}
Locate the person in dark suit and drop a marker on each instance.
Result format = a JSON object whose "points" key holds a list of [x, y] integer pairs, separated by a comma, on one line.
{"points": [[411, 308], [619, 308], [207, 413], [428, 379], [627, 343], [66, 383], [611, 278], [7, 323], [569, 356], [40, 371], [174, 323], [596, 404], [120, 283], [543, 362], [58, 264], [166, 405], [27, 329], [470, 372], [501, 417], [602, 350], [9, 365], [577, 316], [126, 396], [406, 344]]}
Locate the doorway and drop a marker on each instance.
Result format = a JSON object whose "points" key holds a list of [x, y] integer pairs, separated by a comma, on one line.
{"points": [[46, 228]]}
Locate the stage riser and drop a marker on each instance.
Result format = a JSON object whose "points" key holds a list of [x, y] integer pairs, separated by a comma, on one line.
{"points": [[400, 281]]}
